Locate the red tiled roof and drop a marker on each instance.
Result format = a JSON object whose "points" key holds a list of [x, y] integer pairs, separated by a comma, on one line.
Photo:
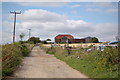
{"points": [[61, 36]]}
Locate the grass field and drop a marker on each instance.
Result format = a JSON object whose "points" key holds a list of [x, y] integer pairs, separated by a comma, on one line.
{"points": [[96, 64]]}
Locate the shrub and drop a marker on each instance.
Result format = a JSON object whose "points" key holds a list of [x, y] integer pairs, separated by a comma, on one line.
{"points": [[34, 40], [12, 55], [25, 51], [108, 58]]}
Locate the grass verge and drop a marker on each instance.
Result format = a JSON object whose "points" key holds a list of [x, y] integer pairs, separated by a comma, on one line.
{"points": [[96, 64], [12, 55]]}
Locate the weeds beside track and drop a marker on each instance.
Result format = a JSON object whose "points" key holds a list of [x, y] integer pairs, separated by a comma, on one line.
{"points": [[96, 64], [12, 55]]}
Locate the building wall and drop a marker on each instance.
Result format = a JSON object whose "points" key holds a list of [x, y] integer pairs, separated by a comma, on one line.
{"points": [[78, 40], [88, 40], [63, 38], [57, 40], [70, 38]]}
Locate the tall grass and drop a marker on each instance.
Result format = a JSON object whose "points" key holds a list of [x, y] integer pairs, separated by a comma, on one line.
{"points": [[12, 55]]}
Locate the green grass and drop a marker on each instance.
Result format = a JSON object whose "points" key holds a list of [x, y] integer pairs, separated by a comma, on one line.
{"points": [[96, 64], [14, 53]]}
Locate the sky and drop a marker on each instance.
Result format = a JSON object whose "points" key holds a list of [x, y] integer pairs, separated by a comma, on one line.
{"points": [[48, 19]]}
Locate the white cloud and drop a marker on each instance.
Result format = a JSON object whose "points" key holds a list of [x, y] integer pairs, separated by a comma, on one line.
{"points": [[6, 32], [107, 31], [41, 16], [46, 24], [75, 6], [7, 26]]}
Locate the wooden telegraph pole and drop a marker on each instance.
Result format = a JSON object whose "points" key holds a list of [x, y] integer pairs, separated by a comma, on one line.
{"points": [[14, 12], [29, 33]]}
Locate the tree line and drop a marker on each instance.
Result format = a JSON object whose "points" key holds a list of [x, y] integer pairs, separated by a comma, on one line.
{"points": [[32, 40]]}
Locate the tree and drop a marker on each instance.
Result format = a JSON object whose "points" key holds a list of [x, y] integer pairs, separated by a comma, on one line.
{"points": [[48, 40], [21, 36], [44, 42], [95, 40], [34, 40]]}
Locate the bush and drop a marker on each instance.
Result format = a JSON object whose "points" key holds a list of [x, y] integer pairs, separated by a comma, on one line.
{"points": [[12, 55], [25, 51], [7, 72], [108, 58], [34, 40]]}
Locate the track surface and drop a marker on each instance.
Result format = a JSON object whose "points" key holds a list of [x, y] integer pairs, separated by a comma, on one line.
{"points": [[42, 65]]}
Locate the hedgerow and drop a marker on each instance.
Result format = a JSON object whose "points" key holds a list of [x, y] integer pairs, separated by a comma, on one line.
{"points": [[12, 55]]}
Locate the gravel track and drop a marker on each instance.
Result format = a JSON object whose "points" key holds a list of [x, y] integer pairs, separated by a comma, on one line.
{"points": [[42, 65]]}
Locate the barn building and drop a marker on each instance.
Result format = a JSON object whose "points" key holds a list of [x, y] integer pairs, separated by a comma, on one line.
{"points": [[78, 41], [88, 39], [68, 39], [63, 38]]}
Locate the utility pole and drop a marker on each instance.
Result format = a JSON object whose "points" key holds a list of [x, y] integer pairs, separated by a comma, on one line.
{"points": [[14, 12], [29, 33]]}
